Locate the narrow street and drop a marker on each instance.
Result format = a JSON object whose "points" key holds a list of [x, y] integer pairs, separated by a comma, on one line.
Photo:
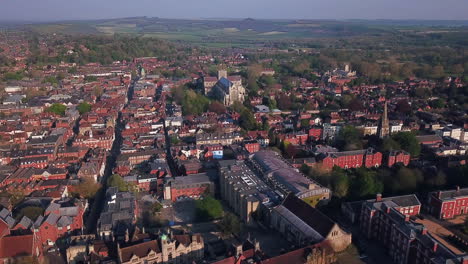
{"points": [[99, 200]]}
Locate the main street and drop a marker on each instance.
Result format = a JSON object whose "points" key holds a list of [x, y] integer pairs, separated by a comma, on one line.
{"points": [[99, 199]]}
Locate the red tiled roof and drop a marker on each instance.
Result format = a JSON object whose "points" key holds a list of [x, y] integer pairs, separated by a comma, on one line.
{"points": [[12, 246]]}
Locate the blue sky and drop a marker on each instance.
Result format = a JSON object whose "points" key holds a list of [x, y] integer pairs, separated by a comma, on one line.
{"points": [[49, 10]]}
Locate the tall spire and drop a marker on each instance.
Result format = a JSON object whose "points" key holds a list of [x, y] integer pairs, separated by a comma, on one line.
{"points": [[384, 128]]}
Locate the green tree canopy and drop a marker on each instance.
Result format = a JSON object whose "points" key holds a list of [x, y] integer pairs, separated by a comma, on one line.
{"points": [[247, 120], [349, 138], [194, 103], [366, 183], [57, 108], [230, 224], [408, 142], [340, 182], [208, 209], [84, 107], [87, 188], [115, 180]]}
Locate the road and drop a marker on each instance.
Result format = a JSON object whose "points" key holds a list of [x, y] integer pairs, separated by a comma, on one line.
{"points": [[99, 200]]}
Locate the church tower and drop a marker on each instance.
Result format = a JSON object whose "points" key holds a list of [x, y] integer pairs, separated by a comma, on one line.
{"points": [[384, 127]]}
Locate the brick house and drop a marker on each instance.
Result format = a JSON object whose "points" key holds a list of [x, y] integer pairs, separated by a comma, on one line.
{"points": [[315, 133], [351, 159], [193, 186], [387, 221], [398, 156], [448, 204], [252, 146]]}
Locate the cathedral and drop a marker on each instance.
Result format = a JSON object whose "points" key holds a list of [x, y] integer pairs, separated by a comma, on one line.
{"points": [[227, 89]]}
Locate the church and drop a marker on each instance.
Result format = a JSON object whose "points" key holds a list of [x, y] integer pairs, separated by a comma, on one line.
{"points": [[227, 89]]}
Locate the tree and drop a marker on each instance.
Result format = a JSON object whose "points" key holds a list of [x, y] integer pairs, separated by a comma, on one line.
{"points": [[31, 212], [408, 179], [217, 107], [230, 224], [305, 122], [366, 183], [10, 76], [403, 106], [87, 188], [57, 108], [340, 182], [208, 209], [84, 108], [90, 78], [175, 140], [284, 102], [408, 142], [247, 120], [115, 180], [349, 138], [16, 197], [291, 151], [194, 103], [390, 144], [98, 91], [156, 207], [50, 79], [438, 103]]}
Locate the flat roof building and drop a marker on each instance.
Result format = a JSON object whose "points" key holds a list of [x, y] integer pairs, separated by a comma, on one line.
{"points": [[279, 173], [244, 191]]}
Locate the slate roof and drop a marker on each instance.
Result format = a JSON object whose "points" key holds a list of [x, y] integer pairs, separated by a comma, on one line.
{"points": [[311, 216], [140, 250], [452, 194]]}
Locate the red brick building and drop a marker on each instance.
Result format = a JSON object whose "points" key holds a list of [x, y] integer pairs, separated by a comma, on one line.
{"points": [[395, 157], [448, 204], [388, 222], [60, 219], [315, 133], [351, 159], [295, 138], [252, 146], [192, 186]]}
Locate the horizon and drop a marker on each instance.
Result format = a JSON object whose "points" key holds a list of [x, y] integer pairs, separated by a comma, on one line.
{"points": [[83, 10], [38, 21]]}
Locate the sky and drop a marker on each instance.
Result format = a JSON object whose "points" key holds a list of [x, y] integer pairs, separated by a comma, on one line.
{"points": [[53, 10]]}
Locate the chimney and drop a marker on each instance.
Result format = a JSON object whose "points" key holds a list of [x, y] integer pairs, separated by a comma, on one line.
{"points": [[378, 197], [222, 74], [407, 217], [439, 194], [458, 188], [424, 230], [464, 260], [257, 245], [434, 247]]}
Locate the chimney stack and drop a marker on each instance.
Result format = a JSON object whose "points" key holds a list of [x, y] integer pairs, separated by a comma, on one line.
{"points": [[458, 188], [407, 218], [424, 230], [378, 197], [434, 247], [439, 194]]}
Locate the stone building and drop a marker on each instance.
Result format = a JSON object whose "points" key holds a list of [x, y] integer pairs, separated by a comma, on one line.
{"points": [[167, 249], [227, 89], [302, 225]]}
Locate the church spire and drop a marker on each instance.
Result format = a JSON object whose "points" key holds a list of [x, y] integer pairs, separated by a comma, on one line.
{"points": [[384, 127]]}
